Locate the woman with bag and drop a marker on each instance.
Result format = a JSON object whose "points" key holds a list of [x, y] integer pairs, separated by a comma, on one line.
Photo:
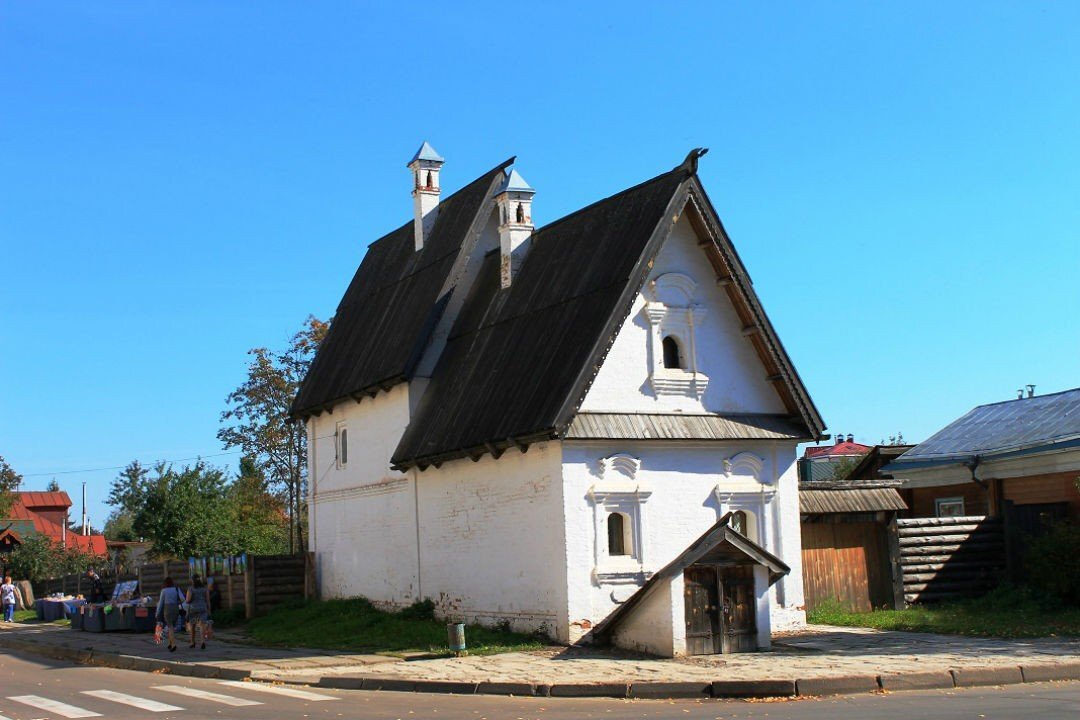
{"points": [[198, 609], [168, 609]]}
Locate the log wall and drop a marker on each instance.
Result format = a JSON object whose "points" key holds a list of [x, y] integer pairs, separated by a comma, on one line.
{"points": [[950, 558]]}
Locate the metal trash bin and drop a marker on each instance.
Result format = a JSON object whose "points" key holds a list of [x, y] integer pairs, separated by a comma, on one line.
{"points": [[455, 634]]}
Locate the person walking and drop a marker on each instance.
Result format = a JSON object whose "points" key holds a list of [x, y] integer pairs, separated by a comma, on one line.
{"points": [[8, 593], [198, 609], [168, 609]]}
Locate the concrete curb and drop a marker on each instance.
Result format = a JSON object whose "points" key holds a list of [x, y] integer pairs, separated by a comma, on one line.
{"points": [[957, 677]]}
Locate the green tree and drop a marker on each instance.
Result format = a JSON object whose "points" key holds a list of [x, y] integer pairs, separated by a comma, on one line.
{"points": [[39, 557], [9, 485], [53, 486], [119, 526], [183, 514], [257, 419]]}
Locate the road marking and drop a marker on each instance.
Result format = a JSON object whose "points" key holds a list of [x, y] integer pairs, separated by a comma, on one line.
{"points": [[52, 706], [204, 695], [279, 690], [141, 703]]}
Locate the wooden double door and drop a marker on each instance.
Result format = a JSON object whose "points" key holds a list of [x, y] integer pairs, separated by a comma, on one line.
{"points": [[720, 609]]}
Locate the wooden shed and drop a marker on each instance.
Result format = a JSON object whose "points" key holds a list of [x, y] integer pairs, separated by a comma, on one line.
{"points": [[850, 550]]}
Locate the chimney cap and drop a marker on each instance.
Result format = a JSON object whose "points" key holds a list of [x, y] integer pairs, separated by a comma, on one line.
{"points": [[426, 152], [515, 183]]}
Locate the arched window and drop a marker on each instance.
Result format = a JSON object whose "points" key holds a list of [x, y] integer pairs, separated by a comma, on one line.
{"points": [[429, 183], [738, 522], [671, 353], [616, 534]]}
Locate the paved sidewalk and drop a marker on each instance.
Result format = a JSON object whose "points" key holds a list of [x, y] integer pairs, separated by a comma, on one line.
{"points": [[818, 660]]}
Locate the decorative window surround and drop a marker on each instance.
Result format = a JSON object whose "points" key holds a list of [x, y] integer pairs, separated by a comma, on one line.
{"points": [[744, 489], [671, 312], [618, 491]]}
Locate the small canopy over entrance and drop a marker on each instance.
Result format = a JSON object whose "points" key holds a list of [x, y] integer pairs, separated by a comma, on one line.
{"points": [[712, 598]]}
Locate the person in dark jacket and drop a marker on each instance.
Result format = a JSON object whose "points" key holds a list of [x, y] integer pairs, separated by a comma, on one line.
{"points": [[97, 588]]}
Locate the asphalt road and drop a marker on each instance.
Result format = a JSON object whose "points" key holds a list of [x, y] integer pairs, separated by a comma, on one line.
{"points": [[35, 689]]}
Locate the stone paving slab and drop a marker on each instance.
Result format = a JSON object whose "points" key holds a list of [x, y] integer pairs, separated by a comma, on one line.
{"points": [[818, 660]]}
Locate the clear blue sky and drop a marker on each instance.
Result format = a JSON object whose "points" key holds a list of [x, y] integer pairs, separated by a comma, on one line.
{"points": [[180, 182]]}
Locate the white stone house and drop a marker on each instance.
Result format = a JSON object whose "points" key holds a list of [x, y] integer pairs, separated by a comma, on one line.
{"points": [[527, 424]]}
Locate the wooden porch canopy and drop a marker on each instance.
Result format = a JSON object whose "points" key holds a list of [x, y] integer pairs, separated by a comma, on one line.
{"points": [[721, 542]]}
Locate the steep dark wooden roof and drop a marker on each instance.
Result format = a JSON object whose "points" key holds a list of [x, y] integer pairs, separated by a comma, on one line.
{"points": [[391, 306], [518, 360]]}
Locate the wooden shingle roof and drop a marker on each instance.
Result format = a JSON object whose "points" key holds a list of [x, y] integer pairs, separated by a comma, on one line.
{"points": [[518, 361], [393, 302]]}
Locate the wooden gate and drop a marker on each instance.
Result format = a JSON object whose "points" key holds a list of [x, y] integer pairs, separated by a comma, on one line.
{"points": [[847, 562], [719, 609], [702, 603]]}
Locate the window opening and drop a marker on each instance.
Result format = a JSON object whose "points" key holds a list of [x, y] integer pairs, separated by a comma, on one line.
{"points": [[738, 522], [949, 507], [616, 534], [671, 353]]}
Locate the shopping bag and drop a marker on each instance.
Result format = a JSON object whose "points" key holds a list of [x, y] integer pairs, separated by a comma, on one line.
{"points": [[159, 632]]}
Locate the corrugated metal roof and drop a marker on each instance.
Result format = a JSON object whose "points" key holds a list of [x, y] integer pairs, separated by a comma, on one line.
{"points": [[36, 498], [849, 500], [1003, 427], [743, 426]]}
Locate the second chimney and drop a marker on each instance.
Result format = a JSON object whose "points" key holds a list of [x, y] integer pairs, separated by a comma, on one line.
{"points": [[425, 167], [514, 201]]}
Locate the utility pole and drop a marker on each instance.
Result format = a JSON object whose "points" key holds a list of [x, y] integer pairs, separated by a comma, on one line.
{"points": [[85, 529]]}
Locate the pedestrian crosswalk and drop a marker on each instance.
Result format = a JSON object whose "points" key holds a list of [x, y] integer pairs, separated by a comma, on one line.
{"points": [[55, 708]]}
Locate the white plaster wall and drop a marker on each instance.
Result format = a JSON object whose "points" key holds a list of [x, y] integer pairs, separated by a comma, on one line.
{"points": [[363, 530], [683, 504], [491, 539], [736, 377], [653, 625]]}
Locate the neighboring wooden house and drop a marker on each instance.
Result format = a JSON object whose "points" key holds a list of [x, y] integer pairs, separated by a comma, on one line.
{"points": [[980, 487], [1023, 454], [44, 513], [527, 425]]}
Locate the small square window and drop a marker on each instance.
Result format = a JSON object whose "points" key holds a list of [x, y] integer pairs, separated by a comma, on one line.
{"points": [[949, 507]]}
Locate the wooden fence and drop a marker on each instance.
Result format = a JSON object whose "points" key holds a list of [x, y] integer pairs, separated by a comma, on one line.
{"points": [[948, 558], [848, 562], [268, 581]]}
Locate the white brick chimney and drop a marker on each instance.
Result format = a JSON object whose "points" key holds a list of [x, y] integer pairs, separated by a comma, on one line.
{"points": [[425, 167], [514, 201]]}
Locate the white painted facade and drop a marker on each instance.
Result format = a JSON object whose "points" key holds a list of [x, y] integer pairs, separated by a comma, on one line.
{"points": [[523, 539]]}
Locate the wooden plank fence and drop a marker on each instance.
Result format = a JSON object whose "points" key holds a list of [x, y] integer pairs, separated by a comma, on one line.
{"points": [[949, 558], [268, 581]]}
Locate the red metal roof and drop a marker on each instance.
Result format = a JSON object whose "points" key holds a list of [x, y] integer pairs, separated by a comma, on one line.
{"points": [[841, 449], [20, 511], [37, 499]]}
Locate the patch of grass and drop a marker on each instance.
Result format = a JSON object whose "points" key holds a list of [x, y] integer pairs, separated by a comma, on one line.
{"points": [[1007, 612], [356, 625], [22, 616], [229, 617]]}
